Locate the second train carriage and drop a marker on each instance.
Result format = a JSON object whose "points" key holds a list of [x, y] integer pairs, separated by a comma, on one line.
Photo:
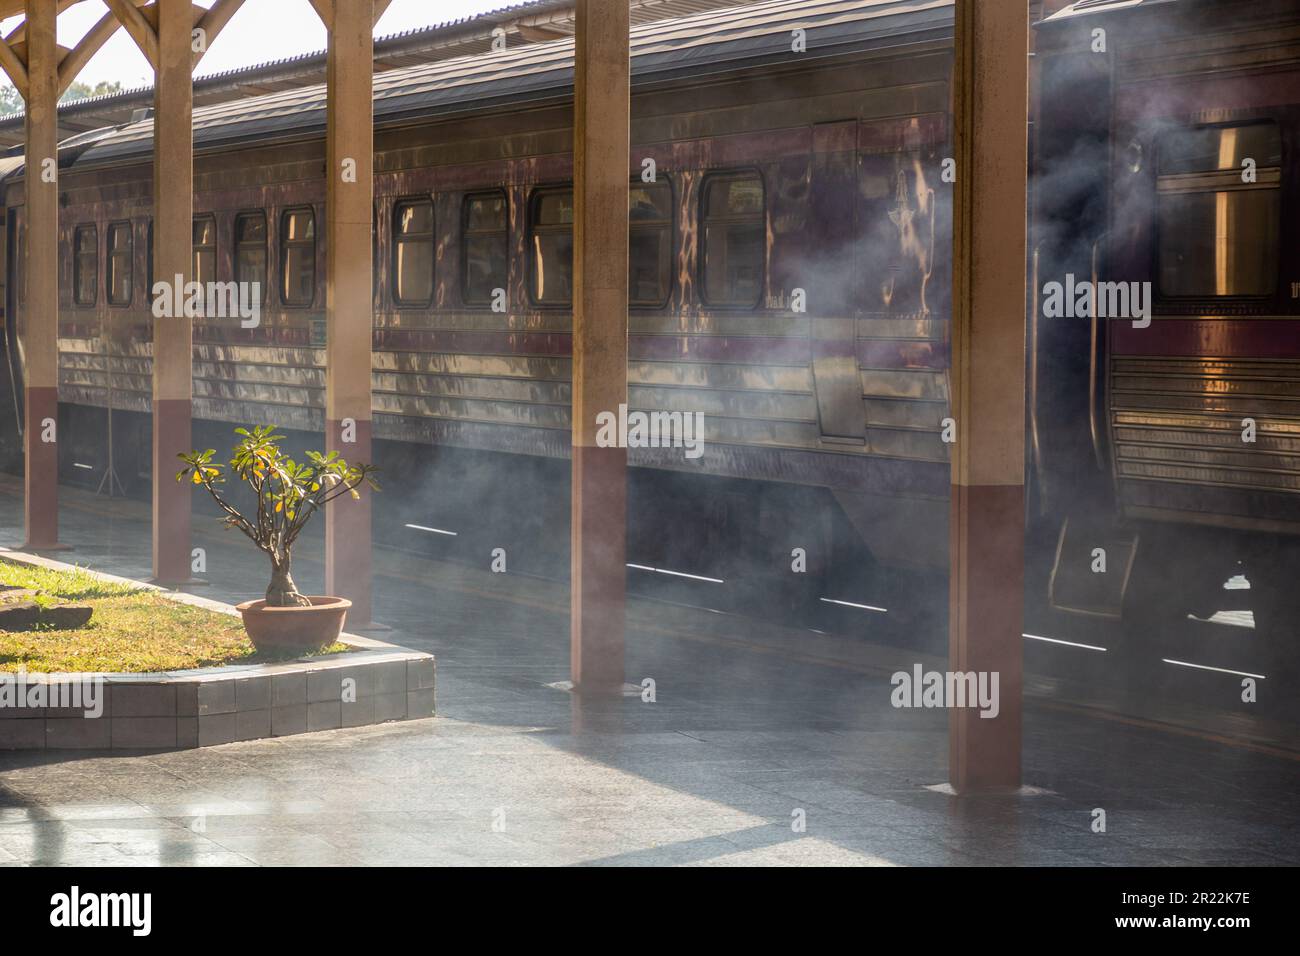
{"points": [[1167, 153]]}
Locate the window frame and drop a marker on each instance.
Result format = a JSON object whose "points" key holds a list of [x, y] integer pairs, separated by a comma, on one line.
{"points": [[1231, 177], [215, 245], [282, 259], [119, 225], [236, 244], [396, 240], [77, 301], [534, 201], [466, 234], [671, 285], [711, 179]]}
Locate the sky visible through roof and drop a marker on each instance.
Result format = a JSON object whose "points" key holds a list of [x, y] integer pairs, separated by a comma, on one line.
{"points": [[262, 30]]}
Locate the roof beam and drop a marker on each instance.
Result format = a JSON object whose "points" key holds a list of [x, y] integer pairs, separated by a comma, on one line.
{"points": [[89, 45], [138, 26], [20, 31], [212, 22], [15, 66], [325, 10], [76, 59]]}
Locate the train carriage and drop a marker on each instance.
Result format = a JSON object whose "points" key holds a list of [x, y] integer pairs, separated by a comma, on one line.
{"points": [[788, 230], [1168, 146]]}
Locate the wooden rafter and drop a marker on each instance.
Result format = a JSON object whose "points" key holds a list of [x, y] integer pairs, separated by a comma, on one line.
{"points": [[20, 32], [80, 55], [325, 10], [213, 21], [140, 19], [76, 59], [138, 26], [15, 66]]}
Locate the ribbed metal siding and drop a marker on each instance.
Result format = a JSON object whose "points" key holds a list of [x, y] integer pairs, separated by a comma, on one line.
{"points": [[1177, 426]]}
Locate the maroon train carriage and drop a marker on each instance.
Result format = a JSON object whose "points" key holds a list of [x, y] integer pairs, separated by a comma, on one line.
{"points": [[1169, 163], [776, 170]]}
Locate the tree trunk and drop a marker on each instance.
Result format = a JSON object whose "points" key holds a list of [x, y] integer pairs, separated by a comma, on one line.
{"points": [[283, 592]]}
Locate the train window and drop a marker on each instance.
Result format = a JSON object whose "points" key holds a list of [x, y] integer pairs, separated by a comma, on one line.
{"points": [[733, 230], [119, 263], [205, 249], [550, 243], [485, 247], [85, 264], [297, 257], [1218, 235], [413, 252], [650, 243], [250, 249]]}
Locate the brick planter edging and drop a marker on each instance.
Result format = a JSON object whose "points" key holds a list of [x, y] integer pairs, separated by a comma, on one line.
{"points": [[218, 705]]}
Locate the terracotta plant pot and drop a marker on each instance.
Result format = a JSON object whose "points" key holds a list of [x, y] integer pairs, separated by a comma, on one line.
{"points": [[298, 628]]}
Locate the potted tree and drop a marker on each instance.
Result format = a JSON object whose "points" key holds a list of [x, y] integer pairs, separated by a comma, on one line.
{"points": [[288, 493]]}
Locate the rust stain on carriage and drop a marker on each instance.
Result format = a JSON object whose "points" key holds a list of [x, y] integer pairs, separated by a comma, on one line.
{"points": [[915, 205], [683, 298]]}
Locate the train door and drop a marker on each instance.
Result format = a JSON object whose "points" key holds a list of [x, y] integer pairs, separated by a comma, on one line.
{"points": [[1074, 514]]}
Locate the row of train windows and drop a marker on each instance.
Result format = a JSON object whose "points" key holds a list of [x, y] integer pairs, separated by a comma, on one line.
{"points": [[297, 257], [732, 227], [732, 222]]}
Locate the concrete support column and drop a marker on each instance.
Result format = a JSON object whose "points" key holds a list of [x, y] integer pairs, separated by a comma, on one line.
{"points": [[990, 84], [349, 206], [173, 202], [39, 334], [600, 267]]}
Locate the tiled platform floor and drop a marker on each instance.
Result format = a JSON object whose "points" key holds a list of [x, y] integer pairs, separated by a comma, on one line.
{"points": [[750, 725]]}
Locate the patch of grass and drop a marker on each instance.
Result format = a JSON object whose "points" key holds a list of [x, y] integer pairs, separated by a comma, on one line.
{"points": [[58, 587], [134, 630]]}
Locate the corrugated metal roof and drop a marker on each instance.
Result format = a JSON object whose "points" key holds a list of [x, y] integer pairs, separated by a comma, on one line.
{"points": [[709, 42]]}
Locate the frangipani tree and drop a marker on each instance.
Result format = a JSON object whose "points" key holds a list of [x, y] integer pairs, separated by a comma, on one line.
{"points": [[288, 493]]}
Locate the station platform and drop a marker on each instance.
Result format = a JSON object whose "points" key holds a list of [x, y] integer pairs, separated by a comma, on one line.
{"points": [[764, 745]]}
